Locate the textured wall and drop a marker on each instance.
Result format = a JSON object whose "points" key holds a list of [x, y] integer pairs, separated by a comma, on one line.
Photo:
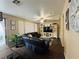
{"points": [[71, 38]]}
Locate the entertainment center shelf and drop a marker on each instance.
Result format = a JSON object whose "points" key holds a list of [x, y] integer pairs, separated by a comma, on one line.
{"points": [[48, 29]]}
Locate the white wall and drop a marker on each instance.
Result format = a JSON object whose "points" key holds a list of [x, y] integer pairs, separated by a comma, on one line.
{"points": [[21, 27], [36, 27], [71, 40], [26, 27], [30, 27], [62, 29]]}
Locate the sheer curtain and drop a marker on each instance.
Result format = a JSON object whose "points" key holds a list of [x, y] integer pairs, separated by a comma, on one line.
{"points": [[2, 34]]}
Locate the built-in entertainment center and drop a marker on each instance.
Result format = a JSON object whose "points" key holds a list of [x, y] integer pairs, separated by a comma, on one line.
{"points": [[49, 29]]}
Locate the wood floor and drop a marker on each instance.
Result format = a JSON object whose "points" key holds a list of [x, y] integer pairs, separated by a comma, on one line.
{"points": [[56, 51]]}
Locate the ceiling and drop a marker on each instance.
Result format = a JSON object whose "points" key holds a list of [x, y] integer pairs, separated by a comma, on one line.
{"points": [[30, 8]]}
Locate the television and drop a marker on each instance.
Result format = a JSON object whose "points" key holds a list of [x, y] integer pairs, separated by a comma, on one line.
{"points": [[47, 29]]}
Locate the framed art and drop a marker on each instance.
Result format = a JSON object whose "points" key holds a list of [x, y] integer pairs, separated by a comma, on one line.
{"points": [[74, 23], [67, 19], [1, 16], [74, 17], [12, 24]]}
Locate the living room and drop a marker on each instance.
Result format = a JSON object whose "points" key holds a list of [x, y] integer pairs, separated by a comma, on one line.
{"points": [[39, 29], [18, 26]]}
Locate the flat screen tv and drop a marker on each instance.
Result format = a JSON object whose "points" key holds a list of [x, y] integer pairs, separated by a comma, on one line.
{"points": [[47, 29]]}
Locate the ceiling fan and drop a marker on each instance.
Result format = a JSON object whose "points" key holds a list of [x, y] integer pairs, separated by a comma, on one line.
{"points": [[43, 16]]}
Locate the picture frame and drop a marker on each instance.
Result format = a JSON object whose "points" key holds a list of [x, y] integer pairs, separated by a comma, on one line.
{"points": [[13, 25], [67, 19], [74, 23], [1, 16]]}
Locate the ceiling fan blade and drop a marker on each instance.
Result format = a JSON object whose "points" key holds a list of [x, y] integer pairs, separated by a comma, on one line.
{"points": [[49, 18], [42, 12], [48, 15], [42, 20], [37, 18], [43, 16]]}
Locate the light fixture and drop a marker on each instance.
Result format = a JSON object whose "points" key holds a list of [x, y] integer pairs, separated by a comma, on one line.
{"points": [[16, 2], [42, 21]]}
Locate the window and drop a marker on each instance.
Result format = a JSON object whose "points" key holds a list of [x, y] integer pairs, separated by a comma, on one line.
{"points": [[2, 33]]}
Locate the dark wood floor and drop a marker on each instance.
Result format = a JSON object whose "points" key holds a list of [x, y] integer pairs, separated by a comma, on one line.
{"points": [[56, 51]]}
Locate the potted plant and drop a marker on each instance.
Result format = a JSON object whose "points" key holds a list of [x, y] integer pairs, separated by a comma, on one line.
{"points": [[14, 39]]}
